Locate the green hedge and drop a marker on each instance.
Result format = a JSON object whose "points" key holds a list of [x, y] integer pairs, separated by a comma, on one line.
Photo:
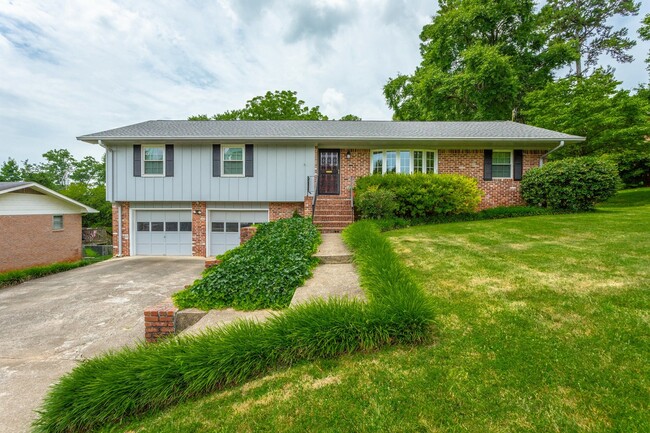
{"points": [[262, 273], [116, 386], [417, 195], [575, 184], [16, 277]]}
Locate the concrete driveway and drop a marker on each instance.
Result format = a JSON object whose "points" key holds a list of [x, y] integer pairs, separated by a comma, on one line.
{"points": [[48, 325]]}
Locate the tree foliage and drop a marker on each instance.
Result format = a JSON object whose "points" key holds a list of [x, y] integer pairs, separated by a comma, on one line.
{"points": [[10, 171], [644, 33], [277, 105], [594, 107], [479, 59], [582, 25]]}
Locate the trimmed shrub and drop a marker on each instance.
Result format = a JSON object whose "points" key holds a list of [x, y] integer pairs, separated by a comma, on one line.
{"points": [[375, 203], [118, 386], [575, 184], [262, 273], [420, 195], [633, 167]]}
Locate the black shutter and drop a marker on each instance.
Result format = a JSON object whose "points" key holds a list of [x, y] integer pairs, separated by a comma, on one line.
{"points": [[249, 161], [216, 160], [487, 164], [519, 164], [137, 160], [169, 160]]}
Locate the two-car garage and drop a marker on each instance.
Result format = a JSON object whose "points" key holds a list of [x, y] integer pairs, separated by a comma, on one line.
{"points": [[169, 232]]}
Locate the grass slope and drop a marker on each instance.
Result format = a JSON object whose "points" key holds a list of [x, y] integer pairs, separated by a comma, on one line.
{"points": [[543, 325]]}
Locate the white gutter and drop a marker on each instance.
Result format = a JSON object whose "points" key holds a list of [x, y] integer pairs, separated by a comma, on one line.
{"points": [[541, 158]]}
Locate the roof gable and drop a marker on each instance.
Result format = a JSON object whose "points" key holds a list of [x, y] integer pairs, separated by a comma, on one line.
{"points": [[10, 187]]}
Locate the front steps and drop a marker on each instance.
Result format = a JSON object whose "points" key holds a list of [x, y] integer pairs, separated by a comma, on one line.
{"points": [[332, 214]]}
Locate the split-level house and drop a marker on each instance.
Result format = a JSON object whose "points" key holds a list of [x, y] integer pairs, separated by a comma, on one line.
{"points": [[183, 187]]}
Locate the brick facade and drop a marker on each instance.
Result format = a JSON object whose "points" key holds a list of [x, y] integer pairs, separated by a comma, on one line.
{"points": [[28, 240], [199, 215], [280, 210], [498, 192], [159, 321], [125, 228], [246, 233]]}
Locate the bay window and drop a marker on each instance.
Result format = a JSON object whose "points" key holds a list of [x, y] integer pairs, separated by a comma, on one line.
{"points": [[403, 161]]}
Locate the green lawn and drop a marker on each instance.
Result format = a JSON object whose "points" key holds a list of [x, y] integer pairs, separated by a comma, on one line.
{"points": [[543, 325]]}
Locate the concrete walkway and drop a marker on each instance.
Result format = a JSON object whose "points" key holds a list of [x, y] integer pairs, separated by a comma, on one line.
{"points": [[335, 276]]}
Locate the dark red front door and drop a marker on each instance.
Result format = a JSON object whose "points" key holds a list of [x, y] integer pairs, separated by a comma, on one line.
{"points": [[328, 172]]}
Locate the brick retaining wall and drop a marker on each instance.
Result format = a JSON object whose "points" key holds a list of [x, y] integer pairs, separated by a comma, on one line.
{"points": [[159, 321]]}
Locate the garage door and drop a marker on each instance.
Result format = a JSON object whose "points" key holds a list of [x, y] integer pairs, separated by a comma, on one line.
{"points": [[163, 233], [225, 225]]}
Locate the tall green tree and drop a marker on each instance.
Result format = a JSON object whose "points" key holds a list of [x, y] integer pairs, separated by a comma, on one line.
{"points": [[644, 33], [278, 105], [59, 165], [594, 107], [95, 197], [10, 171], [479, 59], [583, 26], [89, 171]]}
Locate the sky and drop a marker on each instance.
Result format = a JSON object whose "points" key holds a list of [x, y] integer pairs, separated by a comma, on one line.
{"points": [[69, 68]]}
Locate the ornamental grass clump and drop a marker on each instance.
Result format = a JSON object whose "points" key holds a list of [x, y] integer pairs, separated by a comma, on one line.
{"points": [[118, 386], [262, 273]]}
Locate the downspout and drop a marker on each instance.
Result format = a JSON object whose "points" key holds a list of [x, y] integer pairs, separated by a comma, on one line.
{"points": [[541, 158], [119, 208]]}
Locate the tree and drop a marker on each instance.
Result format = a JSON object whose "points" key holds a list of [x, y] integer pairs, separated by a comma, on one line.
{"points": [[34, 173], [594, 107], [59, 165], [10, 171], [278, 105], [479, 59], [95, 197], [89, 171], [350, 117], [582, 26], [644, 33]]}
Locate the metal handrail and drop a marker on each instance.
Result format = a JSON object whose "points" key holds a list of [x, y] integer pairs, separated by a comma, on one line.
{"points": [[352, 191], [315, 192]]}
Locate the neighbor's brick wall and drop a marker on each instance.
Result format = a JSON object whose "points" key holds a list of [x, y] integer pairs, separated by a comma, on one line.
{"points": [[498, 192], [199, 211], [28, 240], [159, 320], [125, 228], [280, 210]]}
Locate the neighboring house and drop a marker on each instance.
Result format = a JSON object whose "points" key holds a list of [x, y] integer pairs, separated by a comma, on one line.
{"points": [[186, 187], [38, 226]]}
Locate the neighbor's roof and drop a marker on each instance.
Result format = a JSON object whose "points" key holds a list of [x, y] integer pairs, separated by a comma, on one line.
{"points": [[6, 187], [329, 130]]}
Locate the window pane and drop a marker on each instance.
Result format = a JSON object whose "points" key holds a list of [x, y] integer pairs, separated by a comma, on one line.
{"points": [[186, 226], [391, 161], [232, 227], [500, 157], [417, 161], [405, 161], [143, 227], [377, 162], [171, 227], [157, 226], [57, 222], [431, 162], [217, 227], [153, 153], [233, 154], [233, 167], [153, 167], [500, 171]]}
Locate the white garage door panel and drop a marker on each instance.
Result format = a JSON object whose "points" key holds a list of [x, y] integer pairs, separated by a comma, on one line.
{"points": [[224, 228], [163, 233]]}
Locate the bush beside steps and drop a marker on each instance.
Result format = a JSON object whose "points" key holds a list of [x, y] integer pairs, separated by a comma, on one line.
{"points": [[116, 386]]}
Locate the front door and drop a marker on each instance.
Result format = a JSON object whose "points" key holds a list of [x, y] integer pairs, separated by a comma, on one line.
{"points": [[328, 172]]}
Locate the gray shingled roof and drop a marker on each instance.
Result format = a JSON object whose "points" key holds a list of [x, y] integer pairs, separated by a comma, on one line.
{"points": [[328, 130], [10, 185]]}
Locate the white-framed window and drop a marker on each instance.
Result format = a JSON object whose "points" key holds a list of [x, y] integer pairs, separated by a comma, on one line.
{"points": [[502, 164], [153, 160], [57, 222], [232, 160], [403, 161]]}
